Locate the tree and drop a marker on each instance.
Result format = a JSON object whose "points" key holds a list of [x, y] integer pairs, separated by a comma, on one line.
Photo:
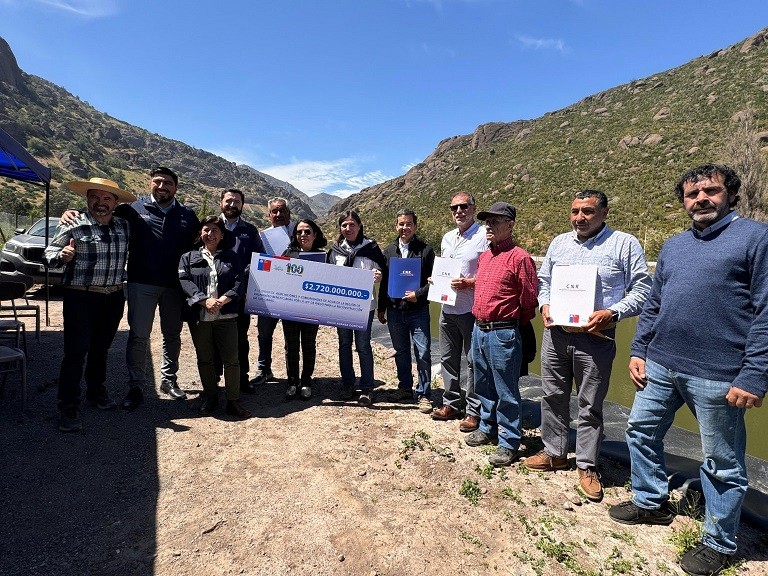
{"points": [[743, 154]]}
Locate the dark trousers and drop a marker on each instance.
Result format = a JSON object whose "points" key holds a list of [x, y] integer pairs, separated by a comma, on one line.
{"points": [[243, 348], [305, 335], [224, 334], [265, 334], [90, 325]]}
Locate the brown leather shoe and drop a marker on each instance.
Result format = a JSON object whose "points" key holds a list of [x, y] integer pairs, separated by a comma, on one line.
{"points": [[445, 412], [469, 424], [545, 462], [589, 484], [234, 408]]}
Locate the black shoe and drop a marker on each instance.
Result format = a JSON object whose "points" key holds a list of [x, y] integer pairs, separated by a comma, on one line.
{"points": [[234, 408], [704, 561], [134, 398], [347, 392], [480, 438], [69, 421], [247, 386], [263, 377], [305, 391], [208, 407], [100, 398], [173, 390], [291, 391], [502, 457], [630, 513]]}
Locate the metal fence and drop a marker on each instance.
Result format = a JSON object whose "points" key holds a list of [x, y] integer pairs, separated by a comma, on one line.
{"points": [[10, 222]]}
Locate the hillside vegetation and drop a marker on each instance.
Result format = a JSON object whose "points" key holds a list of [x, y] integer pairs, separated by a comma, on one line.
{"points": [[633, 142]]}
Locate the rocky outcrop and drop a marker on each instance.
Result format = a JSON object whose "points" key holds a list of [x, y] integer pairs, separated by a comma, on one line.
{"points": [[10, 73]]}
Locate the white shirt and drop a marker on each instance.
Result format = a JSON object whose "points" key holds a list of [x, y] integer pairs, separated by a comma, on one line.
{"points": [[466, 247]]}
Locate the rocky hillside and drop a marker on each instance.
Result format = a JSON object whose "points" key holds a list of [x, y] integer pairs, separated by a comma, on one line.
{"points": [[632, 141], [78, 141]]}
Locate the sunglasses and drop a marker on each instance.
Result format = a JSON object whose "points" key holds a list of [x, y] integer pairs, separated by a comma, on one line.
{"points": [[278, 210], [304, 232], [462, 206]]}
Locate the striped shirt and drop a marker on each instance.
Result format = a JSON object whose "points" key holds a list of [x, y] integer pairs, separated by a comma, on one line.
{"points": [[101, 251]]}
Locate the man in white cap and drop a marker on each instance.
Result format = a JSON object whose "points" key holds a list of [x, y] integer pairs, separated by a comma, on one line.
{"points": [[94, 249]]}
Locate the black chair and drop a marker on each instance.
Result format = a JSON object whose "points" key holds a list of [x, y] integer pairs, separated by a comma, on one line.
{"points": [[25, 310], [14, 360], [10, 325]]}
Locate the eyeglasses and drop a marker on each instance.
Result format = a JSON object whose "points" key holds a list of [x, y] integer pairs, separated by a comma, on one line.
{"points": [[278, 210], [462, 206], [304, 232]]}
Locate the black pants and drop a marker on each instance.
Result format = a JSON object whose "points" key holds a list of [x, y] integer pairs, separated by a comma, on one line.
{"points": [[90, 324], [243, 349], [305, 335]]}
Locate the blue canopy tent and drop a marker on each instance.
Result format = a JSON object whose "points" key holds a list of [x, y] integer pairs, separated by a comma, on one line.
{"points": [[18, 164]]}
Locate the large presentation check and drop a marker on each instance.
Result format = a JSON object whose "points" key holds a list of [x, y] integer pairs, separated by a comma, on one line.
{"points": [[307, 291]]}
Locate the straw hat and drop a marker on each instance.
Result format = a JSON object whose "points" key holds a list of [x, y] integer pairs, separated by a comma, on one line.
{"points": [[82, 186]]}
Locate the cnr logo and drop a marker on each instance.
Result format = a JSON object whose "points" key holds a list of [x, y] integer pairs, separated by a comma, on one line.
{"points": [[297, 269]]}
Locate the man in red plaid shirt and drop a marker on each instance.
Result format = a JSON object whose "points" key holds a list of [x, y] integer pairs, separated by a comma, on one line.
{"points": [[506, 290]]}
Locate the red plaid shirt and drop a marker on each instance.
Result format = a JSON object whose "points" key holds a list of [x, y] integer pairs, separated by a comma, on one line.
{"points": [[506, 285]]}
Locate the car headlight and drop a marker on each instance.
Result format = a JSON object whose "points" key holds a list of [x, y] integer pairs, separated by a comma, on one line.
{"points": [[9, 247]]}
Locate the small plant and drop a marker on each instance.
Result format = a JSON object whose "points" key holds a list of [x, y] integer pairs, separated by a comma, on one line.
{"points": [[622, 536], [538, 502], [616, 564], [486, 471], [537, 564], [686, 537], [513, 495], [467, 537], [470, 490]]}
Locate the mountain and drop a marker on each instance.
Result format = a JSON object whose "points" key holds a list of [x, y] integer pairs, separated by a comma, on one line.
{"points": [[322, 203], [77, 142], [633, 142]]}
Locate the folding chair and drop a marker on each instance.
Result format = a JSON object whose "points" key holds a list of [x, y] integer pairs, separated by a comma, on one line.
{"points": [[25, 310], [9, 292], [14, 360]]}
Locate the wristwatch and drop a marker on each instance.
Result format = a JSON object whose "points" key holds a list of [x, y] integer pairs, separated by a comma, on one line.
{"points": [[614, 317]]}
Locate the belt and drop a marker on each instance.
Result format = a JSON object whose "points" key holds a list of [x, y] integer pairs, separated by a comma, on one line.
{"points": [[500, 325], [97, 289]]}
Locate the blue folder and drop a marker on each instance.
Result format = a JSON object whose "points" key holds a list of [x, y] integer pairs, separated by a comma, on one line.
{"points": [[404, 275]]}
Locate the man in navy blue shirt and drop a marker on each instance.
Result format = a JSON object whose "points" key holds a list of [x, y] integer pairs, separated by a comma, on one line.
{"points": [[701, 340]]}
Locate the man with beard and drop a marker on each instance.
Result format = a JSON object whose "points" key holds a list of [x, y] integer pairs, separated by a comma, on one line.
{"points": [[701, 340], [245, 240], [279, 215], [94, 248]]}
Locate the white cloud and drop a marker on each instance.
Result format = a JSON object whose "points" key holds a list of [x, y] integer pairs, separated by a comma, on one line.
{"points": [[84, 8], [341, 177], [542, 43]]}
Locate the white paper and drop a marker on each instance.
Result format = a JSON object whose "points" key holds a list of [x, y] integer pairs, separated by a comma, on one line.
{"points": [[275, 240], [443, 271], [572, 294]]}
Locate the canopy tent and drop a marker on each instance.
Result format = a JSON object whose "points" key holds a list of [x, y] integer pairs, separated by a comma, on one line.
{"points": [[18, 164]]}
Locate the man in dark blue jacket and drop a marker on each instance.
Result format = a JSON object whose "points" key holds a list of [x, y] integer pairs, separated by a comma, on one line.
{"points": [[245, 240], [407, 317], [162, 229]]}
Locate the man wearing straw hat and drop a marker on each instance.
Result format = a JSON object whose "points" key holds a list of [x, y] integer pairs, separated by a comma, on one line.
{"points": [[94, 249]]}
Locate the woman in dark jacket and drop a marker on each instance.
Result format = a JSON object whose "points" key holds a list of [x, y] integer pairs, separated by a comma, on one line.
{"points": [[353, 249], [307, 237], [213, 280]]}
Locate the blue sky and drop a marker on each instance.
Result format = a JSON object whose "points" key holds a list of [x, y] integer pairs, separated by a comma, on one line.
{"points": [[336, 95]]}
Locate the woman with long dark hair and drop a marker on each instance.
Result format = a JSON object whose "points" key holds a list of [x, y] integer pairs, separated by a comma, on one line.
{"points": [[352, 248], [213, 279], [307, 237]]}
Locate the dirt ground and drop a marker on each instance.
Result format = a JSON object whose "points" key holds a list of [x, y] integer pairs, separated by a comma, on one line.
{"points": [[304, 487]]}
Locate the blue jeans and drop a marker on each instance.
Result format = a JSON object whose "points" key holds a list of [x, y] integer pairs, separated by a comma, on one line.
{"points": [[404, 326], [723, 441], [362, 340], [496, 358], [143, 299]]}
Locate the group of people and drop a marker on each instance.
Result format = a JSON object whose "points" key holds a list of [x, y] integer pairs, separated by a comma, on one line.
{"points": [[701, 340]]}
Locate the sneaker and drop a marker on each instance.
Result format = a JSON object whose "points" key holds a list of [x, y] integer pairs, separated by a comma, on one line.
{"points": [[630, 513], [263, 377], [306, 392], [545, 462], [347, 392], [100, 398], [424, 404], [479, 438], [291, 391], [590, 485], [502, 457], [704, 560], [401, 395], [69, 421], [366, 398]]}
